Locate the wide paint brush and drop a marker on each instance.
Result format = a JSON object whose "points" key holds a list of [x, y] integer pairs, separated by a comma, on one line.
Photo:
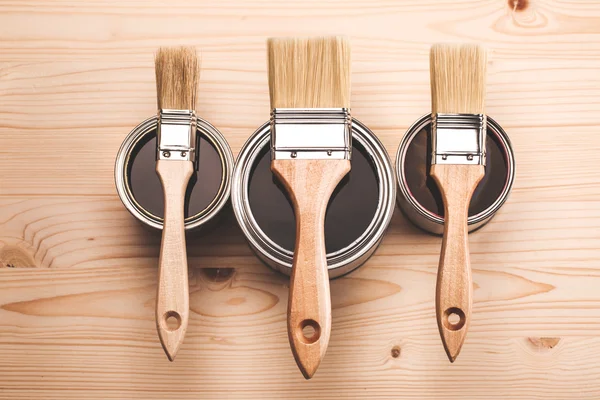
{"points": [[309, 82]]}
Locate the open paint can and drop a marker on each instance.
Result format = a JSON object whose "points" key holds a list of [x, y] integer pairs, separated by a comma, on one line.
{"points": [[358, 212], [139, 186], [418, 195]]}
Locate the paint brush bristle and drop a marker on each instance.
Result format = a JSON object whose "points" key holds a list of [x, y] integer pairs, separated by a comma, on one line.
{"points": [[177, 74], [457, 79], [309, 72]]}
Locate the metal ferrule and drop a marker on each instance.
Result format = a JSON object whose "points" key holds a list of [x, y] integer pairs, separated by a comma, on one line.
{"points": [[176, 135], [311, 133], [458, 139]]}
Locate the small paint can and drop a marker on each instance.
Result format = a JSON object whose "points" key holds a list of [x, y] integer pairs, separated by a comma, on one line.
{"points": [[139, 186], [418, 195], [358, 212]]}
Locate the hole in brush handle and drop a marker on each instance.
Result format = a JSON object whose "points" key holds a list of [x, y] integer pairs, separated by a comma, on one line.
{"points": [[171, 321], [454, 319], [309, 331]]}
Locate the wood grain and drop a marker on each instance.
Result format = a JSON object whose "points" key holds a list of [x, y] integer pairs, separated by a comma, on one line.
{"points": [[172, 296], [454, 288], [79, 274], [309, 184]]}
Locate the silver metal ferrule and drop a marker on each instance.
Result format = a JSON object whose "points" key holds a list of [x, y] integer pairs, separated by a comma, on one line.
{"points": [[176, 135], [458, 139], [311, 133]]}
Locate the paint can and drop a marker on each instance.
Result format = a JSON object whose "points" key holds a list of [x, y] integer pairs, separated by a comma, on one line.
{"points": [[358, 213], [139, 186], [418, 195]]}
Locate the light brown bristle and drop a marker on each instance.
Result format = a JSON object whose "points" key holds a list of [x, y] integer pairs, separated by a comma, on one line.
{"points": [[458, 79], [309, 72], [177, 75]]}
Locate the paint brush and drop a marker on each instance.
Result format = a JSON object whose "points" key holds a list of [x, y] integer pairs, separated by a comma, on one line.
{"points": [[177, 72], [309, 83], [458, 164]]}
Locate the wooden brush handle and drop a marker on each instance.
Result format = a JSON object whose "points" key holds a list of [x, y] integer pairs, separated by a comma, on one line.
{"points": [[309, 184], [172, 300], [454, 283]]}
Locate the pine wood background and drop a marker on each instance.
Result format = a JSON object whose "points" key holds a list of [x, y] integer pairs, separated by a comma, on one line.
{"points": [[78, 273]]}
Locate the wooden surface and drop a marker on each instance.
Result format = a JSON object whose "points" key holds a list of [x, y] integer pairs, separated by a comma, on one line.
{"points": [[309, 184], [78, 283], [454, 288], [172, 305]]}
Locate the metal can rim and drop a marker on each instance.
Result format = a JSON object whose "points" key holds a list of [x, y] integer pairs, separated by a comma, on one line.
{"points": [[474, 220], [267, 248], [205, 129]]}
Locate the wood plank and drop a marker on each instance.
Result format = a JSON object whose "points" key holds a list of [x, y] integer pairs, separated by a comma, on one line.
{"points": [[78, 273], [82, 318], [81, 162]]}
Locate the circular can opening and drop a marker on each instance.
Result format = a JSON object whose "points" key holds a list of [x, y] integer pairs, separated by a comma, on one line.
{"points": [[139, 186], [357, 214], [420, 198], [350, 211]]}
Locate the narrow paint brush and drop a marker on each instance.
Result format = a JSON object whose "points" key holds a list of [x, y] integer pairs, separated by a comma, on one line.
{"points": [[458, 142], [177, 71], [309, 82]]}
